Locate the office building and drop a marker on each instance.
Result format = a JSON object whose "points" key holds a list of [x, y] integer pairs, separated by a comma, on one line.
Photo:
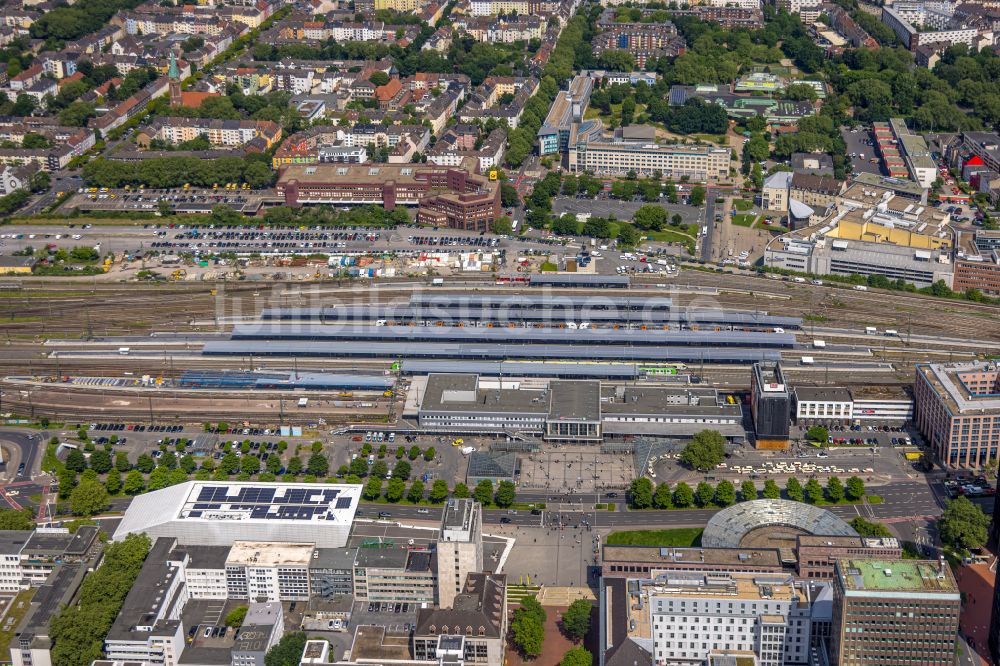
{"points": [[957, 410], [770, 405], [642, 561], [11, 576], [262, 628], [148, 627], [216, 514], [567, 108], [687, 616], [634, 149], [894, 612], [32, 641], [331, 573], [459, 547], [916, 154], [395, 575], [471, 631], [268, 571], [456, 197], [818, 555], [28, 558]]}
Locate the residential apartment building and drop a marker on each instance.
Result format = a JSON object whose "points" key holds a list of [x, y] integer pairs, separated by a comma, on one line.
{"points": [[642, 41], [228, 133], [957, 410], [894, 611], [459, 548], [633, 149], [774, 194]]}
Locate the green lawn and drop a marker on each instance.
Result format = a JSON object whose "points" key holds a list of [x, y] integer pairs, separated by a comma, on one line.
{"points": [[682, 537], [744, 220], [742, 205]]}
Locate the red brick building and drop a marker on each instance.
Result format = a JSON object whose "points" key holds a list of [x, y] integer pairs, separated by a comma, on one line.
{"points": [[456, 197]]}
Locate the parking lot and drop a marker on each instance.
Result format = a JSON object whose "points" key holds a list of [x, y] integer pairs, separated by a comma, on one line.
{"points": [[860, 151]]}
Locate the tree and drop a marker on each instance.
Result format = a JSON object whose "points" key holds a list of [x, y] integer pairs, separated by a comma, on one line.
{"points": [[414, 452], [867, 528], [13, 519], [650, 218], [461, 491], [373, 489], [159, 478], [76, 461], [814, 492], [394, 491], [88, 498], [748, 491], [188, 464], [402, 470], [963, 525], [502, 226], [683, 495], [416, 493], [230, 463], [725, 493], [577, 656], [379, 78], [704, 494], [121, 462], [697, 195], [134, 483], [640, 493], [576, 619], [663, 497], [771, 490], [235, 617], [318, 465], [67, 482], [359, 467], [483, 492], [100, 462], [113, 482], [294, 466], [504, 496], [855, 488], [818, 434], [380, 469], [527, 627], [439, 491], [287, 651], [834, 489], [249, 465], [705, 451], [429, 454], [794, 491]]}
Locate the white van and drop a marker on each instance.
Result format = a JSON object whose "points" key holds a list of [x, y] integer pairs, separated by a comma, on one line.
{"points": [[871, 330], [800, 280], [860, 287], [819, 344]]}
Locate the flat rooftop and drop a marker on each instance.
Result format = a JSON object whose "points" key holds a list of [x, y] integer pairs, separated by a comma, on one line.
{"points": [[923, 577], [269, 554], [575, 400], [755, 587], [944, 379], [757, 557], [822, 394], [881, 392]]}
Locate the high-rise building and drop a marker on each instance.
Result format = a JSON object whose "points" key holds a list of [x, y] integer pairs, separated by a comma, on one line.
{"points": [[459, 547], [957, 410], [894, 612], [770, 405]]}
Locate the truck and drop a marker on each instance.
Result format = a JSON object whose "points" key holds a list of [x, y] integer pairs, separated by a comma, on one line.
{"points": [[871, 330], [303, 402], [123, 351], [808, 360], [819, 344], [437, 282], [891, 332]]}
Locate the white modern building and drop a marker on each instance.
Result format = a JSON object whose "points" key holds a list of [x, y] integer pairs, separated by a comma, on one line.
{"points": [[459, 547], [217, 514], [835, 405], [268, 571], [693, 614]]}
